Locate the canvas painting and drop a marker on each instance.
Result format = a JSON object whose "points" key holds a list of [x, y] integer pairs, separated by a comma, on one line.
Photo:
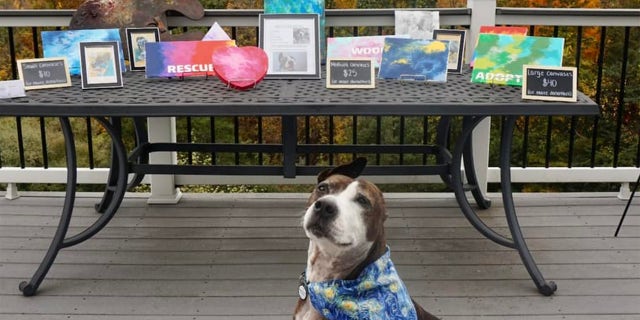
{"points": [[182, 58], [415, 59], [500, 57], [357, 47], [66, 44], [417, 24], [518, 31]]}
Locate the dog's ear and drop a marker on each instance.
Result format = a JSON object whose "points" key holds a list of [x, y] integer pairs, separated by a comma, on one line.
{"points": [[352, 170]]}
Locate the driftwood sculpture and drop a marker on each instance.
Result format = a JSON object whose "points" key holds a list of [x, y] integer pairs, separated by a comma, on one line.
{"points": [[94, 14]]}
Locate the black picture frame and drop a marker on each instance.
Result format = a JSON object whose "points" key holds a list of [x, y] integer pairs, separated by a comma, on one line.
{"points": [[136, 40], [292, 43], [457, 44], [100, 65]]}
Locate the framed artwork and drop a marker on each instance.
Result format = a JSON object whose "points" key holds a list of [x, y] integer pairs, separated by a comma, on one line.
{"points": [[457, 43], [100, 65], [137, 38], [306, 6], [292, 43]]}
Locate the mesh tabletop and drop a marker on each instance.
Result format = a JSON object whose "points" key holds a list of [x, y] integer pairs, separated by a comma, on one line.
{"points": [[209, 96]]}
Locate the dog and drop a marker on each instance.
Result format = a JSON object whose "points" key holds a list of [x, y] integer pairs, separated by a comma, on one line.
{"points": [[301, 36], [349, 274], [287, 62]]}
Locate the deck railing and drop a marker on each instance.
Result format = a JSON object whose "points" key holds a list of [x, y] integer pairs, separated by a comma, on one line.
{"points": [[599, 150]]}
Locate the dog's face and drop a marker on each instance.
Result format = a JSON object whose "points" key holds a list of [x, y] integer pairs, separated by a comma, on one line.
{"points": [[345, 214], [287, 62]]}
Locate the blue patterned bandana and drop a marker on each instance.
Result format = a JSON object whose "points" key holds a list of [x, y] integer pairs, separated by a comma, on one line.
{"points": [[377, 293]]}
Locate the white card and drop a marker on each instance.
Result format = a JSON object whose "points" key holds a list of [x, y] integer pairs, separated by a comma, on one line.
{"points": [[11, 89]]}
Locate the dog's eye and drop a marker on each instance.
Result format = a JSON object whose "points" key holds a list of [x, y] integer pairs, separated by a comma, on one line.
{"points": [[323, 187], [362, 200]]}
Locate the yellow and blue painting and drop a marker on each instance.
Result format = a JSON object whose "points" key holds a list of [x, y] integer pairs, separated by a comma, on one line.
{"points": [[66, 44], [500, 57], [415, 59]]}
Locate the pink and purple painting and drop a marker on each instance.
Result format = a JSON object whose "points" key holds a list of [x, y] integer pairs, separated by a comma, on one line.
{"points": [[357, 47], [182, 58]]}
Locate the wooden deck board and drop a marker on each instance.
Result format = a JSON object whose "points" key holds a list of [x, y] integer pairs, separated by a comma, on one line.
{"points": [[220, 257]]}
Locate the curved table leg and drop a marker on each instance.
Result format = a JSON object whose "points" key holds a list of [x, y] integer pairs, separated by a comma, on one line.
{"points": [[107, 197], [458, 187], [442, 141], [470, 171], [60, 240], [29, 288], [546, 288]]}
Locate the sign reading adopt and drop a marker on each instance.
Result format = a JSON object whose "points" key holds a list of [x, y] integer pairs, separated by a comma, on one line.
{"points": [[182, 58]]}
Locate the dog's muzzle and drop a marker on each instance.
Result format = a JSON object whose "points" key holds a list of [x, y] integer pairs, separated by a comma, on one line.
{"points": [[323, 213]]}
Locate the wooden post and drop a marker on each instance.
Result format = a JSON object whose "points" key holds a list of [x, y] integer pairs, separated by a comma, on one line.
{"points": [[483, 12], [163, 187]]}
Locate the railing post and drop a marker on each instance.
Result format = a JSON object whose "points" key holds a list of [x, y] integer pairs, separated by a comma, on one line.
{"points": [[483, 12], [12, 191], [163, 187]]}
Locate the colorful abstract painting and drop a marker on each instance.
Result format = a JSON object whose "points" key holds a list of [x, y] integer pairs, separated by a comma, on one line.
{"points": [[500, 57], [303, 6], [357, 47], [182, 58], [66, 44], [415, 59], [516, 31]]}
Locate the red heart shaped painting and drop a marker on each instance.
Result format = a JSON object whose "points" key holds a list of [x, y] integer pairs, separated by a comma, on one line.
{"points": [[240, 67]]}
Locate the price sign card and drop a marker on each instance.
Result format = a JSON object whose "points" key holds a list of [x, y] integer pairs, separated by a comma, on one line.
{"points": [[44, 73], [351, 73], [550, 83]]}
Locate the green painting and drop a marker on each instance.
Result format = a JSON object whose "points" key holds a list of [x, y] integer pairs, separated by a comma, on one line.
{"points": [[500, 57]]}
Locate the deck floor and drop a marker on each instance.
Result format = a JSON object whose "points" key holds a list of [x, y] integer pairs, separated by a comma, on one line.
{"points": [[238, 257]]}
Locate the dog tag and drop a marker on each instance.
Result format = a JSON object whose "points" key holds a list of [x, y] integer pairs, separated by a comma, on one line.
{"points": [[302, 291], [302, 287]]}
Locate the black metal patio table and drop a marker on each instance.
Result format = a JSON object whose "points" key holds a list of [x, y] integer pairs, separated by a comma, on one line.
{"points": [[141, 98]]}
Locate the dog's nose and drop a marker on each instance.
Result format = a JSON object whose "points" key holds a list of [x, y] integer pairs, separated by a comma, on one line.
{"points": [[325, 209]]}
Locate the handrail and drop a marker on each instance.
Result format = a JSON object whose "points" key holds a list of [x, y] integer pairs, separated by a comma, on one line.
{"points": [[359, 17], [569, 17], [234, 17]]}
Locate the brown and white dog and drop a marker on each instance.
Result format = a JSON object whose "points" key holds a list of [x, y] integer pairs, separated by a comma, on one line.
{"points": [[344, 223]]}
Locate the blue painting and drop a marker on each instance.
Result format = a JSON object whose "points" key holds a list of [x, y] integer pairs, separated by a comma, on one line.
{"points": [[415, 59], [288, 6], [66, 44]]}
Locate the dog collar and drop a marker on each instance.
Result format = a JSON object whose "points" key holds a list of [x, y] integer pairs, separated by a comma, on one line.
{"points": [[377, 293]]}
